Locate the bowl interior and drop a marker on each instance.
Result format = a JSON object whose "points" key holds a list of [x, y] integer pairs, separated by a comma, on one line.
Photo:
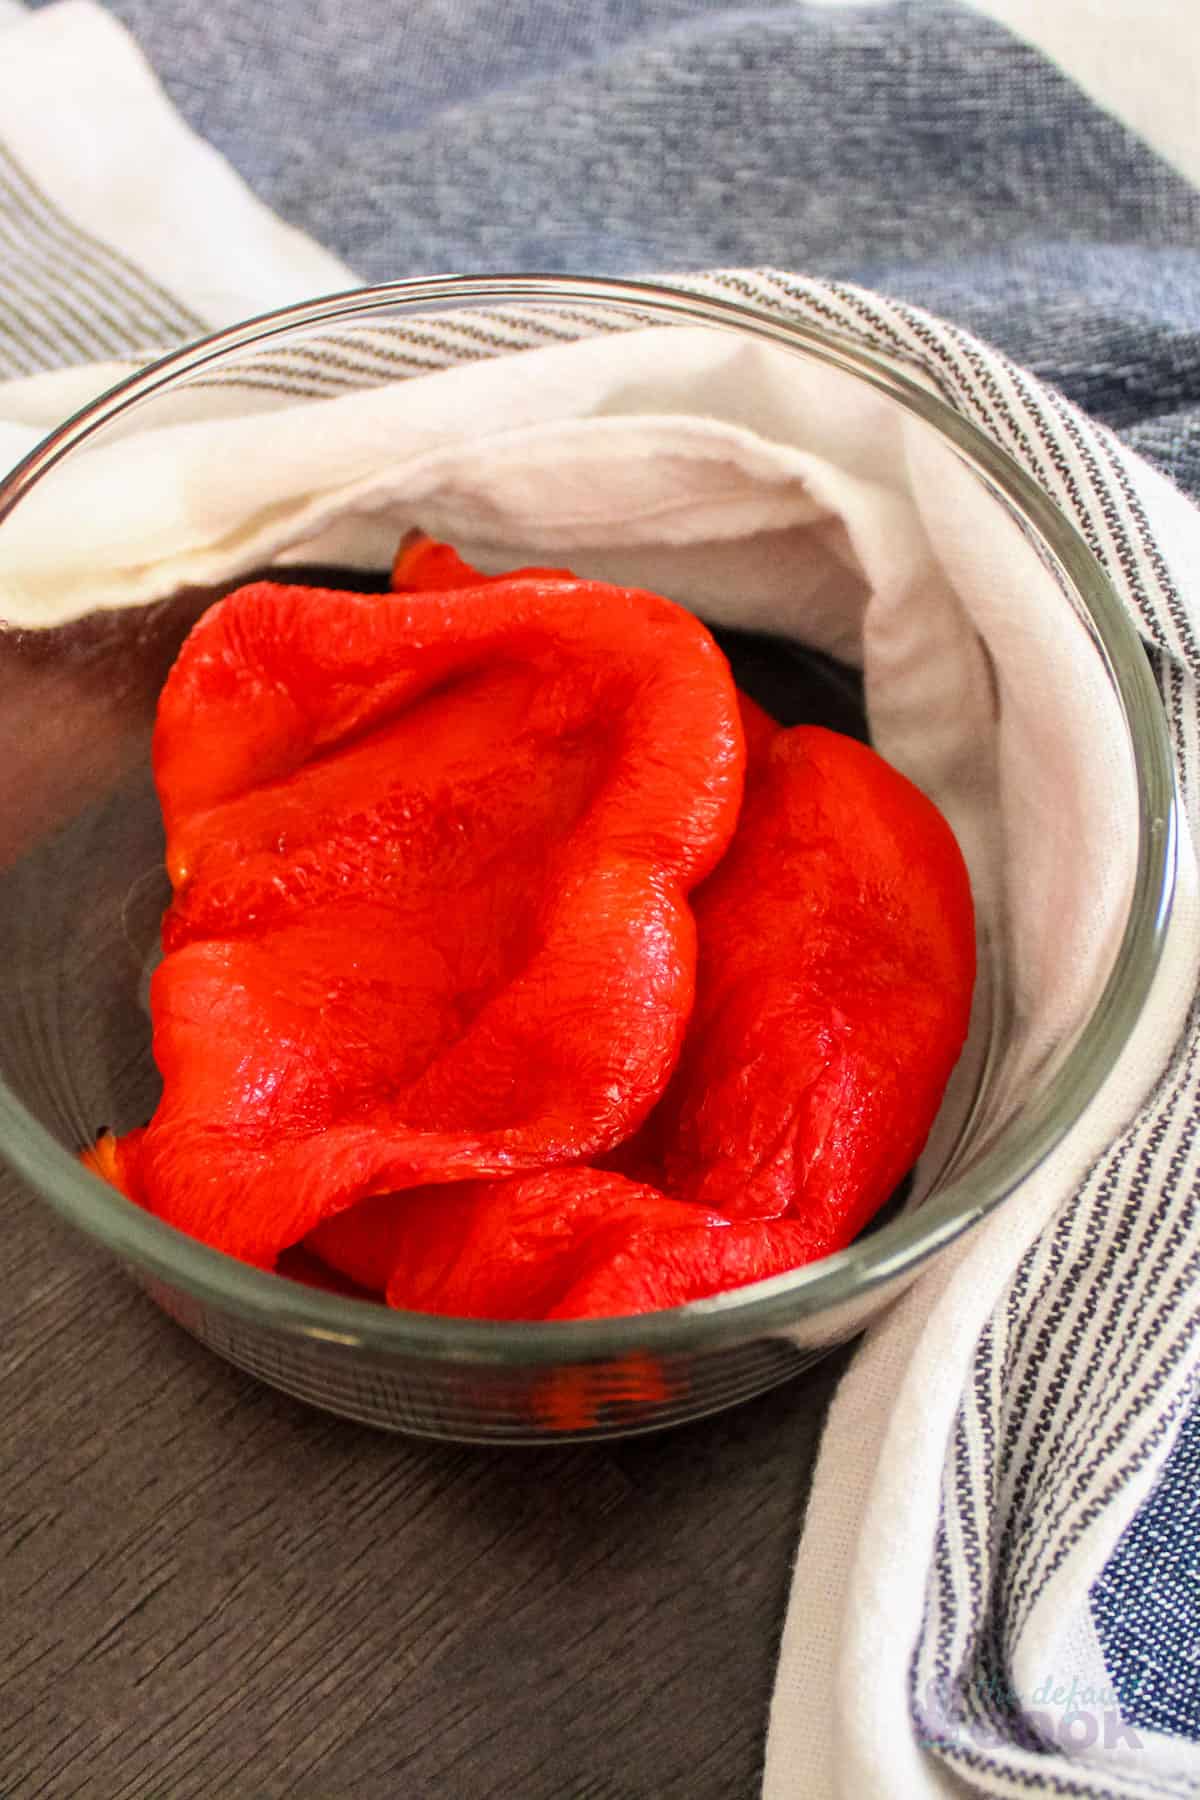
{"points": [[851, 502]]}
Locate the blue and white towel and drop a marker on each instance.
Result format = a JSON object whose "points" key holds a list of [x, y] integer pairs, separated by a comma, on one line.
{"points": [[995, 1591]]}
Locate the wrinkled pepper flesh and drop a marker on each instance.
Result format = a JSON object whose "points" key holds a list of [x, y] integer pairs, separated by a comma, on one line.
{"points": [[517, 966]]}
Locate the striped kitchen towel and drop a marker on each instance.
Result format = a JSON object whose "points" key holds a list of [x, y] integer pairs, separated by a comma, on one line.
{"points": [[994, 1591]]}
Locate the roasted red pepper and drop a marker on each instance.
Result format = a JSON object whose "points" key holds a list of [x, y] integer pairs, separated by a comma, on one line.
{"points": [[497, 1249], [834, 986], [837, 961], [423, 565], [429, 952], [430, 854]]}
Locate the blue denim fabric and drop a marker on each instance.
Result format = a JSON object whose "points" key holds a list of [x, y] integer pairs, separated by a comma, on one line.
{"points": [[915, 147], [1146, 1605]]}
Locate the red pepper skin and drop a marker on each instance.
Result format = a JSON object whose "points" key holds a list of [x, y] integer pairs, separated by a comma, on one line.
{"points": [[313, 1065], [423, 565], [759, 729], [115, 1160], [835, 972], [496, 1249], [648, 1269], [430, 854], [836, 966]]}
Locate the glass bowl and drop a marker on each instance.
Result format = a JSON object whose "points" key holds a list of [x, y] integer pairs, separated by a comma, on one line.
{"points": [[153, 499]]}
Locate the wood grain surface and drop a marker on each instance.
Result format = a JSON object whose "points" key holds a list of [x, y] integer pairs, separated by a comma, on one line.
{"points": [[208, 1589]]}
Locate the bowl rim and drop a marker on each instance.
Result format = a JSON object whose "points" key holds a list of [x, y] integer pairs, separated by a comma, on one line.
{"points": [[893, 1253]]}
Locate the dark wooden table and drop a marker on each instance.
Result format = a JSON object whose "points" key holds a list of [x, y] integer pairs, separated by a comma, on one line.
{"points": [[208, 1589]]}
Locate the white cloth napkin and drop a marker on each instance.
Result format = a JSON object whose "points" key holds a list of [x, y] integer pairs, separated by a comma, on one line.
{"points": [[1000, 1426]]}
